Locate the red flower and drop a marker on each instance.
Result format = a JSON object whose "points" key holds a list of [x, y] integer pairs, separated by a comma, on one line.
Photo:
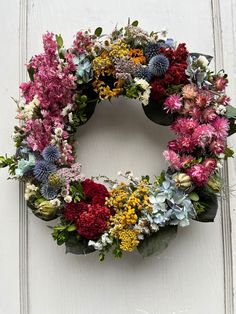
{"points": [[95, 192], [92, 223], [72, 211]]}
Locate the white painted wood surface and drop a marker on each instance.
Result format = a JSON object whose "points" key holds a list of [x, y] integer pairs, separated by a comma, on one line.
{"points": [[9, 222], [188, 277]]}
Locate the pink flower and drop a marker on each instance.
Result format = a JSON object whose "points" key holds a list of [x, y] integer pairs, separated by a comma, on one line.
{"points": [[173, 159], [221, 126], [199, 174], [223, 100], [184, 126], [210, 164], [209, 114], [203, 99], [173, 103], [220, 83], [186, 160], [203, 135], [217, 147], [185, 144], [173, 145], [195, 113]]}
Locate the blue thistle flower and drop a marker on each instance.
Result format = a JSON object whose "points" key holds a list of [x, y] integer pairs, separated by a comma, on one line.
{"points": [[42, 170], [143, 73], [151, 49], [49, 192], [158, 65], [51, 153]]}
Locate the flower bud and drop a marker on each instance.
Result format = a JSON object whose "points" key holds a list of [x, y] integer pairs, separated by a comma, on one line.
{"points": [[182, 180]]}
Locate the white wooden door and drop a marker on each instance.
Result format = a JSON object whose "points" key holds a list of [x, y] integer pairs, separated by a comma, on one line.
{"points": [[194, 275]]}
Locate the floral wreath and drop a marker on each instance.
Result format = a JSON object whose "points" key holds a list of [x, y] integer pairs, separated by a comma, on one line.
{"points": [[175, 87]]}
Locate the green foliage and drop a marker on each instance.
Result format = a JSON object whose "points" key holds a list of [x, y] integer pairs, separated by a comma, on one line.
{"points": [[131, 91], [61, 233], [161, 178], [98, 31], [135, 23], [231, 112], [209, 202], [193, 196], [77, 191], [9, 162], [158, 241], [59, 41], [228, 152], [31, 72]]}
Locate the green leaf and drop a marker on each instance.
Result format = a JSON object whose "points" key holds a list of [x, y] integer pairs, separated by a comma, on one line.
{"points": [[71, 228], [231, 112], [232, 126], [59, 41], [228, 152], [193, 196], [155, 112], [98, 31], [75, 246], [157, 242], [31, 72], [135, 23], [209, 200]]}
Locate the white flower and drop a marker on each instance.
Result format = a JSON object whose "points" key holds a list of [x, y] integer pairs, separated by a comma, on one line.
{"points": [[68, 199], [66, 110], [105, 239], [30, 190], [203, 61], [58, 131], [96, 245], [119, 173], [55, 202], [221, 110], [70, 116], [141, 82]]}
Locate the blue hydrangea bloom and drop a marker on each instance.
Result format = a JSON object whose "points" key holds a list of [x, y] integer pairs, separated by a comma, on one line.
{"points": [[51, 153], [83, 69], [25, 165], [49, 192], [158, 65], [170, 42], [42, 170]]}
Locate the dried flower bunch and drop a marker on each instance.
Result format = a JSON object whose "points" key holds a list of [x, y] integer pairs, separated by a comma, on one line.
{"points": [[175, 87]]}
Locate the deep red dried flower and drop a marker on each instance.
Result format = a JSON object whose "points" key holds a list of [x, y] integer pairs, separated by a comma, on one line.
{"points": [[94, 191], [72, 211], [92, 223]]}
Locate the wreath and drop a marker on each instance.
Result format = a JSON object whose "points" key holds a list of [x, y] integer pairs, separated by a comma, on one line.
{"points": [[176, 88]]}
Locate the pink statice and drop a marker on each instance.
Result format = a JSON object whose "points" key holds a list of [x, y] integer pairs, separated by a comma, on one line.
{"points": [[184, 126], [221, 126], [54, 83], [83, 41], [217, 147], [203, 135], [173, 159], [70, 174], [210, 164], [209, 114], [203, 99], [66, 153], [173, 103], [199, 174], [37, 136]]}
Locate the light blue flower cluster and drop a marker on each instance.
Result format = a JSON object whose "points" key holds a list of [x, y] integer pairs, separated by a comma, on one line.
{"points": [[171, 205], [83, 69], [25, 163]]}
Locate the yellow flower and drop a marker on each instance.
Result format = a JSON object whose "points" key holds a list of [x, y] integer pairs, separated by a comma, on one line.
{"points": [[129, 240], [137, 56]]}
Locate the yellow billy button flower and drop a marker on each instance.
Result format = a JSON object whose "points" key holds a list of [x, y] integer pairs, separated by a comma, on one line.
{"points": [[129, 239]]}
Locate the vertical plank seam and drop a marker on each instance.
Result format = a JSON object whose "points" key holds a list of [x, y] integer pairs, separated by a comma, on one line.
{"points": [[23, 214], [225, 196]]}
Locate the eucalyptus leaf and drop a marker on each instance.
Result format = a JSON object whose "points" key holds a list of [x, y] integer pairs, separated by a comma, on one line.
{"points": [[155, 112], [157, 242], [197, 55], [231, 112], [59, 41], [98, 31], [209, 200], [135, 23], [75, 246]]}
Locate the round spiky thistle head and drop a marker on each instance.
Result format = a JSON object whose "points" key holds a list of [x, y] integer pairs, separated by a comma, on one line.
{"points": [[43, 169], [48, 191], [158, 65], [152, 49], [51, 153], [144, 73]]}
